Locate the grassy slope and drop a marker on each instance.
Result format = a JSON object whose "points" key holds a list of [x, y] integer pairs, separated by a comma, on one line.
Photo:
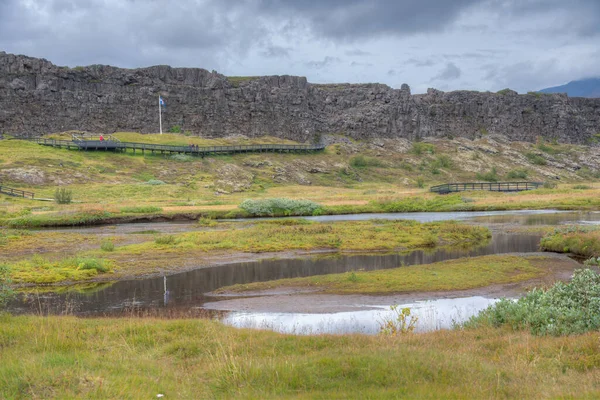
{"points": [[459, 274], [64, 357], [344, 178]]}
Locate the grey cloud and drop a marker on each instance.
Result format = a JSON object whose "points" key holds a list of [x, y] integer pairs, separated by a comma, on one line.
{"points": [[449, 73], [276, 52], [462, 56], [350, 19], [126, 32], [580, 16], [357, 53], [322, 64], [420, 63], [360, 64]]}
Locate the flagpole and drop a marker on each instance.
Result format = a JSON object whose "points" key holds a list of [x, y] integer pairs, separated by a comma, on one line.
{"points": [[159, 115]]}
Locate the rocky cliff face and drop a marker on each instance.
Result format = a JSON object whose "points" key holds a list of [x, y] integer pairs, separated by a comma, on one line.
{"points": [[38, 97]]}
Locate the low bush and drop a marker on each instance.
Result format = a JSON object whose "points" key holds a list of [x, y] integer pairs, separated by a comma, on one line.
{"points": [[279, 207], [6, 293], [165, 239], [444, 161], [536, 159], [490, 176], [563, 309], [420, 148], [520, 173], [63, 196], [364, 162], [107, 245], [581, 187]]}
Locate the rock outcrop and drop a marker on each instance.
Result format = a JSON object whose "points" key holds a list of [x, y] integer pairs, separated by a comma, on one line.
{"points": [[38, 97]]}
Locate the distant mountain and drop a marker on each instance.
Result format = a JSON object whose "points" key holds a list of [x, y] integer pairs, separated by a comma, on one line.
{"points": [[583, 88]]}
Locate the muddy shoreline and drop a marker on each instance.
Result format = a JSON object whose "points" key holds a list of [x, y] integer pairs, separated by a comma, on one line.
{"points": [[310, 300]]}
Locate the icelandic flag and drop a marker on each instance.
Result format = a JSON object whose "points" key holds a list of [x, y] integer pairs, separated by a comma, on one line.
{"points": [[161, 102]]}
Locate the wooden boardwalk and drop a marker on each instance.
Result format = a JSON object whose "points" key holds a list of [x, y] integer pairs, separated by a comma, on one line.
{"points": [[15, 192], [489, 186], [109, 145]]}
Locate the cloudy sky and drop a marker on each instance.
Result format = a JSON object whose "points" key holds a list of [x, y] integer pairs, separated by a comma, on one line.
{"points": [[447, 44]]}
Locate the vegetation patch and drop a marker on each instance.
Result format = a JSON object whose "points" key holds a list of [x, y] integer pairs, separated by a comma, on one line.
{"points": [[421, 204], [279, 207], [519, 173], [458, 274], [420, 148], [67, 357], [141, 210], [348, 235], [361, 161], [40, 270], [536, 159], [583, 241], [564, 309], [490, 176]]}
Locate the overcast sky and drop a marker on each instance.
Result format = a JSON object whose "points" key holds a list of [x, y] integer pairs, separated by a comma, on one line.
{"points": [[447, 44]]}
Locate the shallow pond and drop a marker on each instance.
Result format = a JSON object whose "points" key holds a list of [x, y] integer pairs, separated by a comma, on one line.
{"points": [[430, 315], [188, 289]]}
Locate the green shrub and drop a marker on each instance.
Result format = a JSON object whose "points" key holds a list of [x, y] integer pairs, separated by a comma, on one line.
{"points": [[536, 159], [63, 196], [6, 293], [154, 182], [88, 263], [563, 309], [107, 245], [520, 173], [175, 129], [547, 149], [581, 187], [140, 210], [550, 185], [420, 148], [490, 176], [444, 161], [420, 182], [279, 207], [364, 162], [165, 239]]}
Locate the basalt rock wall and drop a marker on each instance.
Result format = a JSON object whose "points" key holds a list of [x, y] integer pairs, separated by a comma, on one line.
{"points": [[38, 97]]}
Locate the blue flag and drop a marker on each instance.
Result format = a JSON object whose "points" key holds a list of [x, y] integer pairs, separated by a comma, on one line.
{"points": [[161, 102]]}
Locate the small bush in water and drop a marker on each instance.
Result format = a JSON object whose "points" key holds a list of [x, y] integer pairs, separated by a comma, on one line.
{"points": [[279, 206], [564, 309]]}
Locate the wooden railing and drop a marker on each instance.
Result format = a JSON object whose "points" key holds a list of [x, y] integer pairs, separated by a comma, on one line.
{"points": [[194, 150], [16, 192], [489, 186]]}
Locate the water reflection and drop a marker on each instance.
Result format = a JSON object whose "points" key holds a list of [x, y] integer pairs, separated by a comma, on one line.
{"points": [[186, 290], [431, 315]]}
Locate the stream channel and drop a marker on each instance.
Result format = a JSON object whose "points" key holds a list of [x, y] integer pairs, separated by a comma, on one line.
{"points": [[186, 292]]}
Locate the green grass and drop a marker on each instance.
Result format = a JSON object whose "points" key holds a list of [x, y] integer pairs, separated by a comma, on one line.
{"points": [[141, 210], [40, 270], [348, 235], [458, 274], [583, 241], [66, 357], [536, 159]]}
